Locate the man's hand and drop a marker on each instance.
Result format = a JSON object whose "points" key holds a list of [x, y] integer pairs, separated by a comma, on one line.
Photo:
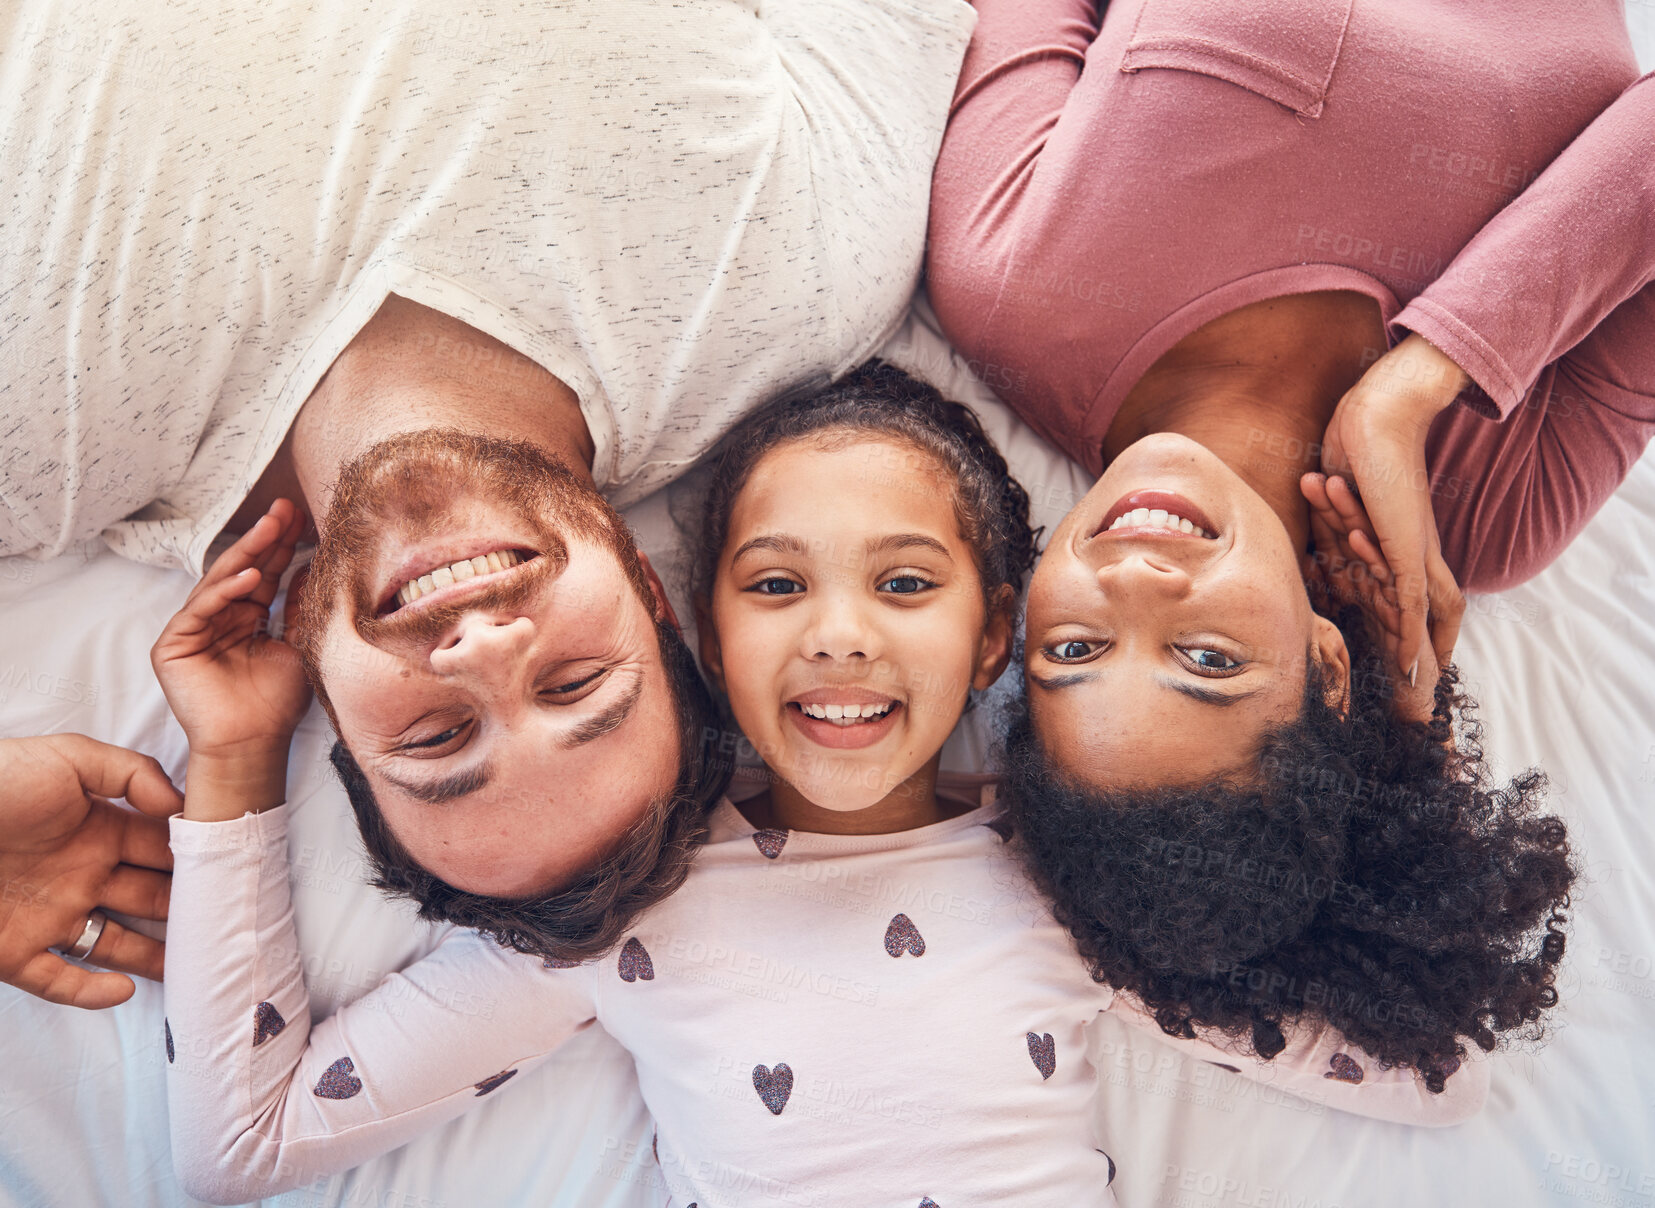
{"points": [[1377, 438], [1351, 569], [65, 850], [232, 686]]}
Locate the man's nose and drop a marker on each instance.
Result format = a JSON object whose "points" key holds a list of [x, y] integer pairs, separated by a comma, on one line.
{"points": [[1144, 575], [483, 644], [839, 629]]}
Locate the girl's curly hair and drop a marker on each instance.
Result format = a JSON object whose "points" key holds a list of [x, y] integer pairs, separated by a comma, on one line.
{"points": [[1369, 877], [877, 399]]}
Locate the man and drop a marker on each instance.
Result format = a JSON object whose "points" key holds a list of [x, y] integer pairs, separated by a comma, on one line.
{"points": [[248, 245]]}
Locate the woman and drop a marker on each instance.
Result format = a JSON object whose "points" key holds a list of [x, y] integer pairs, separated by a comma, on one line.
{"points": [[1185, 236]]}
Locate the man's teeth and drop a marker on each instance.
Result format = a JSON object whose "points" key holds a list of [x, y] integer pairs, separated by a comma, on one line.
{"points": [[846, 715], [1158, 518], [457, 572]]}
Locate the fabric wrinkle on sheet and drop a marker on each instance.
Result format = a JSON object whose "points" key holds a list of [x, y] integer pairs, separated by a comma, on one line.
{"points": [[679, 210], [785, 1057]]}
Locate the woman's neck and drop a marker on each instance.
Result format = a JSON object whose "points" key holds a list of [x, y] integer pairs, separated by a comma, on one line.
{"points": [[912, 804], [1257, 387]]}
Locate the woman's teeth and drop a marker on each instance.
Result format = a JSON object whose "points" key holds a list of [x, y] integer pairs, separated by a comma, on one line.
{"points": [[1157, 518], [846, 715], [457, 572]]}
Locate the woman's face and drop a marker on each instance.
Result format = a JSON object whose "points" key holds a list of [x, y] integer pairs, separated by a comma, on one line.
{"points": [[1159, 652], [847, 618]]}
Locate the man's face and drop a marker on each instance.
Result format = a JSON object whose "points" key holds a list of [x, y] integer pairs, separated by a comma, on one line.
{"points": [[491, 661]]}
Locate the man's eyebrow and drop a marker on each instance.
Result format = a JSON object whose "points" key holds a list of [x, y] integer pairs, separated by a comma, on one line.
{"points": [[440, 792], [1207, 696], [610, 719]]}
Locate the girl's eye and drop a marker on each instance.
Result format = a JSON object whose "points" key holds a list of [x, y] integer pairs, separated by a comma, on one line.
{"points": [[776, 586], [1210, 661], [905, 585], [1072, 652]]}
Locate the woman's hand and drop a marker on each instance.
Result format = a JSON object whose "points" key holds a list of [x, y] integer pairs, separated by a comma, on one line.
{"points": [[1377, 438], [231, 685], [1350, 567], [66, 851]]}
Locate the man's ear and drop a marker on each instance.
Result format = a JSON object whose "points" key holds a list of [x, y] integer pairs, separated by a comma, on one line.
{"points": [[995, 650], [663, 605], [1329, 649]]}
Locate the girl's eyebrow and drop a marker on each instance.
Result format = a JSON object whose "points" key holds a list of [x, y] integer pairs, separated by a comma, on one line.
{"points": [[786, 543]]}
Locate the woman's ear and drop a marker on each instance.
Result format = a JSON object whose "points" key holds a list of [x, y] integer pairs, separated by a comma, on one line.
{"points": [[1333, 656], [663, 605], [712, 653], [994, 652]]}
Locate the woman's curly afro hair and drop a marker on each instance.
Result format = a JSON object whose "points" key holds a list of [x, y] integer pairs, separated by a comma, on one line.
{"points": [[1369, 878]]}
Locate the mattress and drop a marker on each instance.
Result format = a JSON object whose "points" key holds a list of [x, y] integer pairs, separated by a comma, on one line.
{"points": [[1565, 670]]}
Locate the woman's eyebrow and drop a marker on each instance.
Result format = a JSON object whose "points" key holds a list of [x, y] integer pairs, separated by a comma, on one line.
{"points": [[1207, 696]]}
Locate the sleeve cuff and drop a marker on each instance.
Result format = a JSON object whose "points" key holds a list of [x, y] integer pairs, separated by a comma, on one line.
{"points": [[1494, 390], [255, 831]]}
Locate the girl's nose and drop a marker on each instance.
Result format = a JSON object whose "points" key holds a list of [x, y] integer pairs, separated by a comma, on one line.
{"points": [[839, 631]]}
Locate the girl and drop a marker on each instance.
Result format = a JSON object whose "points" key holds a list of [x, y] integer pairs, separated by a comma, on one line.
{"points": [[855, 998]]}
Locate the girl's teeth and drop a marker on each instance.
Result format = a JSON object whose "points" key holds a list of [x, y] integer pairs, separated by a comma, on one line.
{"points": [[458, 572], [1158, 518], [845, 714]]}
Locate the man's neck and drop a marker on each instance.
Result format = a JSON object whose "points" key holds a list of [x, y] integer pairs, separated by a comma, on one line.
{"points": [[412, 368]]}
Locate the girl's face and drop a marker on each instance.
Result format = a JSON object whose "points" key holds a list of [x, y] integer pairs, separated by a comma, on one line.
{"points": [[848, 620]]}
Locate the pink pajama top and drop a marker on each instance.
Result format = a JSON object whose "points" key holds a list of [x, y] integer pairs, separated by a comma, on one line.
{"points": [[883, 1021], [1484, 170]]}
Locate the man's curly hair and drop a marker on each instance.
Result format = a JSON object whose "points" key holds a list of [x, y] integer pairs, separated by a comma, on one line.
{"points": [[1368, 877]]}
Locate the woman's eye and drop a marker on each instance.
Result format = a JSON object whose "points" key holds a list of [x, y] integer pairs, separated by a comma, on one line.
{"points": [[1206, 658], [777, 587], [1072, 652], [905, 585]]}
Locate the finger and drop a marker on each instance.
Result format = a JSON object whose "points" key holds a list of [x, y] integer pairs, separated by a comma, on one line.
{"points": [[1314, 489], [142, 893], [1365, 548], [49, 976], [143, 841], [210, 600], [1343, 499], [1447, 610], [127, 951], [257, 541], [273, 563], [1406, 559], [111, 771]]}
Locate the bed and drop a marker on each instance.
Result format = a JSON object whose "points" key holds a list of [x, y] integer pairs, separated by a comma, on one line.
{"points": [[1564, 667]]}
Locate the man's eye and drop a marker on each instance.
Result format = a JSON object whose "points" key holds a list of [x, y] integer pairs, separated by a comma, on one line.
{"points": [[577, 685], [906, 585], [1205, 658], [776, 586], [1072, 652], [436, 740]]}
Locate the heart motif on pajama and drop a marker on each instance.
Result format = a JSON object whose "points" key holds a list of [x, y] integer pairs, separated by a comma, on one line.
{"points": [[1000, 827], [774, 1086], [928, 1202], [167, 1026], [267, 1021], [493, 1082], [1043, 1052], [1344, 1069], [1111, 1162], [770, 842], [557, 962], [903, 936], [635, 964], [337, 1081]]}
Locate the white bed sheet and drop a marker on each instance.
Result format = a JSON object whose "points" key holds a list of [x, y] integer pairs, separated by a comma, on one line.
{"points": [[1564, 666]]}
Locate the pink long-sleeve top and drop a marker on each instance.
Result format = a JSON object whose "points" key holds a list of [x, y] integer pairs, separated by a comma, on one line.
{"points": [[1485, 171], [872, 1020]]}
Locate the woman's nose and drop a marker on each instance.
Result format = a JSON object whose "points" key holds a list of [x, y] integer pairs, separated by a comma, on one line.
{"points": [[483, 645], [1144, 575]]}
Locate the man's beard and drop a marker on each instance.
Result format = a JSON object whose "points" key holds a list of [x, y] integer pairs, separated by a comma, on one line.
{"points": [[404, 487]]}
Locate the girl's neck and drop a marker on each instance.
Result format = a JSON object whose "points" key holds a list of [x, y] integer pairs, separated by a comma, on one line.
{"points": [[912, 804]]}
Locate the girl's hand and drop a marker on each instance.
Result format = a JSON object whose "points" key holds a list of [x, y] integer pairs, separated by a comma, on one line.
{"points": [[233, 687], [1350, 567], [66, 851], [1377, 438]]}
